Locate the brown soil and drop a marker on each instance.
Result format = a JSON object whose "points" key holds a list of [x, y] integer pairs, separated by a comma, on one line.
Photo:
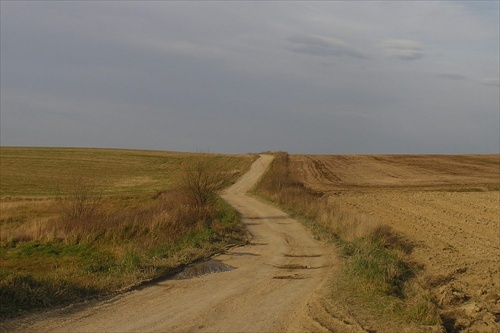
{"points": [[333, 173], [447, 206]]}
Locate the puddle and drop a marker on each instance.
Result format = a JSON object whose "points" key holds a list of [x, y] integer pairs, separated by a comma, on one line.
{"points": [[202, 268]]}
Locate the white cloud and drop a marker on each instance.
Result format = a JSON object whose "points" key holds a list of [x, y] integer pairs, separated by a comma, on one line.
{"points": [[404, 49]]}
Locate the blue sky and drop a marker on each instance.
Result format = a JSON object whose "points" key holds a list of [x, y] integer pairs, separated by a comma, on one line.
{"points": [[236, 77]]}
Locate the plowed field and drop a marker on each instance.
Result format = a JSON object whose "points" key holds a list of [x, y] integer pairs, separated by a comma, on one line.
{"points": [[329, 173], [447, 206]]}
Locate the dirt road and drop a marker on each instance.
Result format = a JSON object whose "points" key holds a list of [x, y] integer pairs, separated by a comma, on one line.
{"points": [[275, 284]]}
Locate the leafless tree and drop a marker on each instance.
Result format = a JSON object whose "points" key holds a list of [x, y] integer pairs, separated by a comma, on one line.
{"points": [[204, 177], [80, 201]]}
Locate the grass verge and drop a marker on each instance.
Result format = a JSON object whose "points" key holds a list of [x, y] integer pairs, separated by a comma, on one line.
{"points": [[117, 250]]}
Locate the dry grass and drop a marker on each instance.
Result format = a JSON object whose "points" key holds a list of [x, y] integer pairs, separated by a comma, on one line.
{"points": [[167, 216], [117, 247], [86, 242], [376, 258]]}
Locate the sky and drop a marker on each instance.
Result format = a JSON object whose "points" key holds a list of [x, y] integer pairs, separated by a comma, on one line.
{"points": [[339, 77]]}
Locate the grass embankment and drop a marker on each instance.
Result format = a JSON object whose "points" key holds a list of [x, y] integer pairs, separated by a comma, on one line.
{"points": [[97, 236], [376, 269]]}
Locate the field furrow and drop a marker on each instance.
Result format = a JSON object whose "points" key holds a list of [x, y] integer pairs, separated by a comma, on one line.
{"points": [[449, 209]]}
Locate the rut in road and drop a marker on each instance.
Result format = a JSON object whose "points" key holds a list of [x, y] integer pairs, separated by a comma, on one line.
{"points": [[276, 285]]}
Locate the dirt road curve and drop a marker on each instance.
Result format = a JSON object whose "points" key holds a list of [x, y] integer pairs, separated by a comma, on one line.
{"points": [[272, 288]]}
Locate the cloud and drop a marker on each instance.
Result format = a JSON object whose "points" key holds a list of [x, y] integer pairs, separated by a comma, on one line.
{"points": [[491, 81], [159, 75], [324, 47], [452, 77], [403, 49]]}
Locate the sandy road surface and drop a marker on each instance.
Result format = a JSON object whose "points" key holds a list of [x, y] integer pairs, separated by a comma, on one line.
{"points": [[448, 206], [274, 285]]}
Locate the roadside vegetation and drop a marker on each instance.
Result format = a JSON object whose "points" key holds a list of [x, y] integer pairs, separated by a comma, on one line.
{"points": [[377, 272], [93, 236]]}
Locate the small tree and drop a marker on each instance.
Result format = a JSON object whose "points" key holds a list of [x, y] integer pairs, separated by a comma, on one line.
{"points": [[204, 178]]}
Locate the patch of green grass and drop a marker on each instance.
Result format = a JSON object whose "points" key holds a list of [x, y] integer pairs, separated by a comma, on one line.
{"points": [[381, 269], [36, 274], [40, 249], [21, 291]]}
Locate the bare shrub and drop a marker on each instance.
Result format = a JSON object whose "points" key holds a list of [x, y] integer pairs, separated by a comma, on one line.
{"points": [[204, 178], [81, 202]]}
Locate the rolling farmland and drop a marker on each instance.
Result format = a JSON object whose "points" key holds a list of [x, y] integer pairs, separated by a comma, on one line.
{"points": [[447, 206]]}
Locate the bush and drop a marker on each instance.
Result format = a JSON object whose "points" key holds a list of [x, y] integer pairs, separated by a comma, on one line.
{"points": [[204, 178], [81, 202]]}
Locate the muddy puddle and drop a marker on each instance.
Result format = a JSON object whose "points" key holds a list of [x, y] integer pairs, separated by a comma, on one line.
{"points": [[202, 268]]}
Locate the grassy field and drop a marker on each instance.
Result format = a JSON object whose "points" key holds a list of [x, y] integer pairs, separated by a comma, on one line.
{"points": [[77, 223], [42, 172]]}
